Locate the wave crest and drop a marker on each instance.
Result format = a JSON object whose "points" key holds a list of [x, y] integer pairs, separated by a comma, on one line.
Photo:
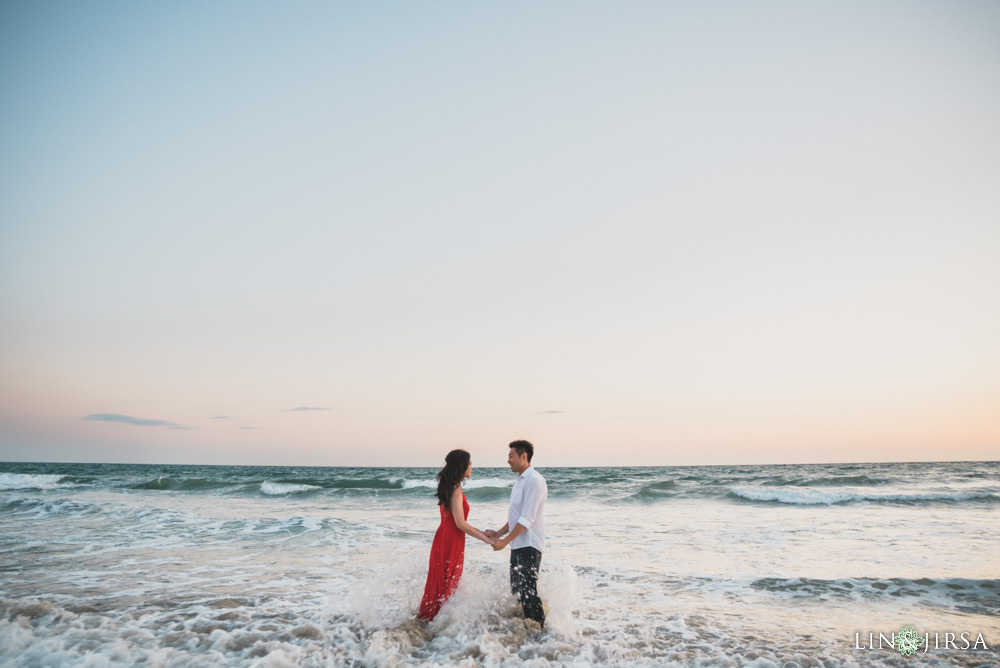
{"points": [[10, 481], [182, 484], [282, 488], [813, 497], [831, 481]]}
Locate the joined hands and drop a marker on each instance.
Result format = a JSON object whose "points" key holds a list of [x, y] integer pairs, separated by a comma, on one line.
{"points": [[494, 540]]}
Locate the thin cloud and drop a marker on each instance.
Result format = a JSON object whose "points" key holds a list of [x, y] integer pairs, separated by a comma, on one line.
{"points": [[221, 417], [303, 408], [248, 427], [128, 419], [549, 412]]}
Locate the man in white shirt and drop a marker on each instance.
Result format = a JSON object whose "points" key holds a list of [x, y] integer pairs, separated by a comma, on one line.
{"points": [[526, 524]]}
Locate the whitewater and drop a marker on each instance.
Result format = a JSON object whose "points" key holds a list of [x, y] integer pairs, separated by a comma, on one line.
{"points": [[122, 565]]}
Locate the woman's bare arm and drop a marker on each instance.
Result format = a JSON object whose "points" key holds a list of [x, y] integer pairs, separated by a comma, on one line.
{"points": [[458, 514]]}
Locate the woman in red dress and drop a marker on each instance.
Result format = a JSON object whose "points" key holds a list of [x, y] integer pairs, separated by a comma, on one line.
{"points": [[448, 549]]}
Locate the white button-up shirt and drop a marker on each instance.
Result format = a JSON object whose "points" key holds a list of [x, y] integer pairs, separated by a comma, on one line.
{"points": [[527, 508]]}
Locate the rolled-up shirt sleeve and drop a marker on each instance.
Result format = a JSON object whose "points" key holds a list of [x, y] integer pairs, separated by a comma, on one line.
{"points": [[534, 494]]}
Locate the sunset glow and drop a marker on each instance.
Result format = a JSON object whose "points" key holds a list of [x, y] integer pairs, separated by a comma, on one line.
{"points": [[330, 234]]}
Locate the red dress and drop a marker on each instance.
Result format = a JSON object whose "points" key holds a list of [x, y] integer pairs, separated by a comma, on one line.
{"points": [[447, 559]]}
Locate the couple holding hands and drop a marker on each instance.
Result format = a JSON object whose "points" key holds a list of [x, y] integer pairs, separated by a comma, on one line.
{"points": [[524, 532]]}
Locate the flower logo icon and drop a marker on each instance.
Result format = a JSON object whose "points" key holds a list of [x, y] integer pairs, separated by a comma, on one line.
{"points": [[908, 641]]}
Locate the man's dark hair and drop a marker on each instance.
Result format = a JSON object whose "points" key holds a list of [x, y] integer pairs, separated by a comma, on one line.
{"points": [[524, 447]]}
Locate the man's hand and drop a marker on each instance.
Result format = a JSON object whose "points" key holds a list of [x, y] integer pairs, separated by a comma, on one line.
{"points": [[490, 533], [504, 542]]}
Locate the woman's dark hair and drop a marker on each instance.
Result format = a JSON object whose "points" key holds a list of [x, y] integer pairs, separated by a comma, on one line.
{"points": [[450, 477]]}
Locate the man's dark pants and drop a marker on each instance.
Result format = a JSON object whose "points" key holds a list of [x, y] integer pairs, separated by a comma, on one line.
{"points": [[524, 564]]}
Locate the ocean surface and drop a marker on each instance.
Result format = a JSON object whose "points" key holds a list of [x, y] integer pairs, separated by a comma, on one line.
{"points": [[124, 565]]}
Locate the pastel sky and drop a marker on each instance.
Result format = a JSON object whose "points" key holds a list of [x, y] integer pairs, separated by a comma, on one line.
{"points": [[321, 233]]}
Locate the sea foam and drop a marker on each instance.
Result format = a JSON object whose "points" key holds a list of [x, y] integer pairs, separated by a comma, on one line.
{"points": [[280, 488], [475, 483], [29, 481], [809, 497]]}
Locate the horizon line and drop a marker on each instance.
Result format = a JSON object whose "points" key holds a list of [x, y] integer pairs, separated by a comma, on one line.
{"points": [[577, 466]]}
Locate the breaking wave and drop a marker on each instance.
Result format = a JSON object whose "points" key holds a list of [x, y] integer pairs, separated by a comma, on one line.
{"points": [[12, 481], [813, 497], [281, 488]]}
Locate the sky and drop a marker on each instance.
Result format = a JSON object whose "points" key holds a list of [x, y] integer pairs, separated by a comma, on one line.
{"points": [[638, 233]]}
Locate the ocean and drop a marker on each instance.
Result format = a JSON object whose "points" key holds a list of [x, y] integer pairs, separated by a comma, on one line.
{"points": [[797, 565]]}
